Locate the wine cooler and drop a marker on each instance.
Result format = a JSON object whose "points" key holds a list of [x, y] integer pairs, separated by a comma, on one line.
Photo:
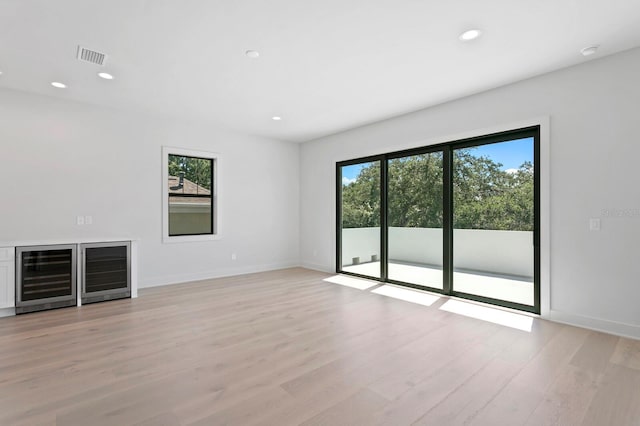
{"points": [[106, 271], [45, 277]]}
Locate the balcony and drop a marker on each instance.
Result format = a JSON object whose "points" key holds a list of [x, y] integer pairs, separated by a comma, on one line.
{"points": [[489, 263]]}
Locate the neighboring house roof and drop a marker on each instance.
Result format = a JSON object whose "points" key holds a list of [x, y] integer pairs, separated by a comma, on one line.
{"points": [[188, 188]]}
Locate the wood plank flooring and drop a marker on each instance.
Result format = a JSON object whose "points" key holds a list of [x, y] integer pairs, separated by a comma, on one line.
{"points": [[287, 348]]}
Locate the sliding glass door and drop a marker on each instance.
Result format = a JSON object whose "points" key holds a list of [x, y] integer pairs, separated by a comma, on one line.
{"points": [[460, 218], [494, 221], [415, 214], [360, 218]]}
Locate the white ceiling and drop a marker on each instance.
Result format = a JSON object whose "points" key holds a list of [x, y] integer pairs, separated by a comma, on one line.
{"points": [[324, 65]]}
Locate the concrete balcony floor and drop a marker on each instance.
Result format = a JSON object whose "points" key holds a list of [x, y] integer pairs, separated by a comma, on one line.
{"points": [[503, 287]]}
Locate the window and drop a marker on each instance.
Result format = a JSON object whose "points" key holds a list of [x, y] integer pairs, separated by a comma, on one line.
{"points": [[459, 218], [190, 198], [360, 214]]}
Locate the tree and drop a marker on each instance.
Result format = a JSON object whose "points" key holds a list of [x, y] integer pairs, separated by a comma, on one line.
{"points": [[197, 170], [361, 199], [484, 195], [415, 191]]}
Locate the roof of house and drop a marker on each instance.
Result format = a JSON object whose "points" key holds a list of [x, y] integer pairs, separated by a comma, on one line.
{"points": [[188, 188]]}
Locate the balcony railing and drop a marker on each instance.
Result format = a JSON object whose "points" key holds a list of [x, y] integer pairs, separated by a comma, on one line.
{"points": [[491, 263]]}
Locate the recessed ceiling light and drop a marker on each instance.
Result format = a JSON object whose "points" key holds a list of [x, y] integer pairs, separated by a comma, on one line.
{"points": [[253, 54], [58, 85], [588, 51], [105, 75], [470, 35], [276, 118]]}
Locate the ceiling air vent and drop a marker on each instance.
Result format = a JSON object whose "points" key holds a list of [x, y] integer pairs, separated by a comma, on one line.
{"points": [[91, 56]]}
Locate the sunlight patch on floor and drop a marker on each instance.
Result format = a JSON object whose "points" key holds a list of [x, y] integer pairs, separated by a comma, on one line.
{"points": [[408, 295], [501, 287], [352, 282], [484, 313]]}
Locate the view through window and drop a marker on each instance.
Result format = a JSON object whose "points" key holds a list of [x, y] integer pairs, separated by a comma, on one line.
{"points": [[457, 218], [361, 218], [493, 220], [190, 198]]}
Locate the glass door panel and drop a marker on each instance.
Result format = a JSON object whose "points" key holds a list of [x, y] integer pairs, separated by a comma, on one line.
{"points": [[415, 219], [360, 219], [493, 220]]}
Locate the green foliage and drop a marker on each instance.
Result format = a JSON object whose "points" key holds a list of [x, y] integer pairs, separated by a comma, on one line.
{"points": [[361, 199], [197, 170], [415, 191], [484, 196]]}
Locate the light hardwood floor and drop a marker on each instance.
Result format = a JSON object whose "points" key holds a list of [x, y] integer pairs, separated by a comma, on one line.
{"points": [[287, 348]]}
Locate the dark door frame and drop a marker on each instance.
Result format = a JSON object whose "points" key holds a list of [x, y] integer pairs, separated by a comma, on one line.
{"points": [[447, 149]]}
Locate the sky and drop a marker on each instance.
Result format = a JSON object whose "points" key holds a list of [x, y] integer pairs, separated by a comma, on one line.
{"points": [[510, 154]]}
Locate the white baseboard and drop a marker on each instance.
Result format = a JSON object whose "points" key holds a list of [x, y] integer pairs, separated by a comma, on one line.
{"points": [[596, 324], [7, 312], [218, 273], [317, 267]]}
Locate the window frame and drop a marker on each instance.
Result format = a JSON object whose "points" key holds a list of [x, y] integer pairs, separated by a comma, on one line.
{"points": [[215, 218], [535, 130]]}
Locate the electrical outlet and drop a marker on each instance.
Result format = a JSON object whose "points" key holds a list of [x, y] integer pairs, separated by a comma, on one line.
{"points": [[234, 256], [88, 220], [80, 220], [594, 224]]}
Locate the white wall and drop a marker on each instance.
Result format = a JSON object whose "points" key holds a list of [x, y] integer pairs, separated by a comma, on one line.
{"points": [[493, 251], [363, 243], [498, 252], [62, 159], [594, 154]]}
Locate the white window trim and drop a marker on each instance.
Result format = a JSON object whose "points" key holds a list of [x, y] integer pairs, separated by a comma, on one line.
{"points": [[166, 150]]}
